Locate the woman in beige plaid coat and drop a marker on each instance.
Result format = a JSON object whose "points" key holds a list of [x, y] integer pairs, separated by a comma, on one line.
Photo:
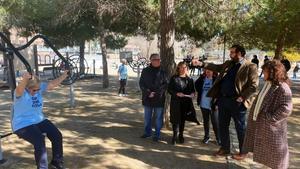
{"points": [[266, 134]]}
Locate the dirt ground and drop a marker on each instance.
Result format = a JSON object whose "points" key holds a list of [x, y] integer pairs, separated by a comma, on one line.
{"points": [[103, 131]]}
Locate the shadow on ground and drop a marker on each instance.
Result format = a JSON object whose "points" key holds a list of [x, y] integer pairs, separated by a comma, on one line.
{"points": [[103, 131]]}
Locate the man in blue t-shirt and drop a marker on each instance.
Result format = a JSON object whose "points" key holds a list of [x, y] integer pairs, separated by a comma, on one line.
{"points": [[29, 122]]}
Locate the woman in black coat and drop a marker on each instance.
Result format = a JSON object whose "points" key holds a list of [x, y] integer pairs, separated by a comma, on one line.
{"points": [[181, 88]]}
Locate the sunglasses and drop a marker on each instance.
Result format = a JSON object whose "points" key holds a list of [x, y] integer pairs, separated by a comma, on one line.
{"points": [[35, 90]]}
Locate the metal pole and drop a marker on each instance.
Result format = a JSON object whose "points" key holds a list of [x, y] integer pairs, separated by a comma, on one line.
{"points": [[72, 100], [11, 73], [138, 76], [12, 84], [94, 67], [1, 155], [36, 63]]}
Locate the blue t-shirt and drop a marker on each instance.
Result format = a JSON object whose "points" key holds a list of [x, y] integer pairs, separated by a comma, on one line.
{"points": [[27, 109], [206, 101], [123, 71]]}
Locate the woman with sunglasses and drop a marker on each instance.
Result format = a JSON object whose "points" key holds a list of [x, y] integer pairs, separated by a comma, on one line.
{"points": [[29, 122]]}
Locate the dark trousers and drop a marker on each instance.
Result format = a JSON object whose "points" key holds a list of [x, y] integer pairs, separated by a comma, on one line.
{"points": [[122, 86], [34, 135], [179, 126], [230, 108], [206, 113]]}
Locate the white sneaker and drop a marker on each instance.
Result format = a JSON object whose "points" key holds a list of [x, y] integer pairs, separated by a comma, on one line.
{"points": [[125, 94], [120, 95]]}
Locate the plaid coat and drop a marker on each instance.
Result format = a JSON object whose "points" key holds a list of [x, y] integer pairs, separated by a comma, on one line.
{"points": [[267, 136]]}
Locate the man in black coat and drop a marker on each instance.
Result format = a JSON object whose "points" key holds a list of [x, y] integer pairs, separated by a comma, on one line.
{"points": [[153, 83], [255, 60], [286, 63], [266, 59]]}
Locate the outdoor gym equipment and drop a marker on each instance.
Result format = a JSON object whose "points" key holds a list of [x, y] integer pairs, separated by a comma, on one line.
{"points": [[63, 65], [9, 50], [137, 64]]}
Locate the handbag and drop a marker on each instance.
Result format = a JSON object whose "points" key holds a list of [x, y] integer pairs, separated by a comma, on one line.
{"points": [[191, 115]]}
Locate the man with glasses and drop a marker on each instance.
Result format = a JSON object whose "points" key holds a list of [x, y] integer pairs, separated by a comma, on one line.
{"points": [[235, 89], [153, 83]]}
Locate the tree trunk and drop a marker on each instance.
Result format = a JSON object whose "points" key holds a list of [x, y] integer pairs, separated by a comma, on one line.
{"points": [[283, 33], [279, 45], [81, 58], [104, 61], [148, 49], [167, 35]]}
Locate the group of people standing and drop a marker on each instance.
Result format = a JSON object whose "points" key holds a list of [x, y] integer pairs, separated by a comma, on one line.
{"points": [[224, 92]]}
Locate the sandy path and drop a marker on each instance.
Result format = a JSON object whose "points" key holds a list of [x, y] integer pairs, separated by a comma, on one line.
{"points": [[103, 132]]}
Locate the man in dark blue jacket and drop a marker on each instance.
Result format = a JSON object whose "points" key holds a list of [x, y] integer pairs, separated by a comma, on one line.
{"points": [[153, 83]]}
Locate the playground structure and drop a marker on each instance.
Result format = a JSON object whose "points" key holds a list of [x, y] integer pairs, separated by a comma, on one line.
{"points": [[53, 64], [137, 63], [58, 67]]}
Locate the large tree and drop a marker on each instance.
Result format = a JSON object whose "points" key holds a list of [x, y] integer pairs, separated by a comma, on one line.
{"points": [[110, 18], [273, 26], [167, 36], [198, 21], [72, 22]]}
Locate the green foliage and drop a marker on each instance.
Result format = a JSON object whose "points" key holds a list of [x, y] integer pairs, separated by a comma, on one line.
{"points": [[254, 23], [3, 18], [107, 17], [273, 19], [42, 17], [115, 41], [196, 21], [69, 22]]}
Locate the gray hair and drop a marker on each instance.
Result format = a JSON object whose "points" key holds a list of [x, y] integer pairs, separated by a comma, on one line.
{"points": [[35, 81], [124, 61]]}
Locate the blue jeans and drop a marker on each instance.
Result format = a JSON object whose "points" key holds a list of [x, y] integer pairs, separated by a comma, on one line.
{"points": [[147, 119], [34, 135]]}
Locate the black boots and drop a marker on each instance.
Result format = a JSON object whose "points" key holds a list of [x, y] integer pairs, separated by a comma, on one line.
{"points": [[174, 138], [56, 165], [180, 138]]}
